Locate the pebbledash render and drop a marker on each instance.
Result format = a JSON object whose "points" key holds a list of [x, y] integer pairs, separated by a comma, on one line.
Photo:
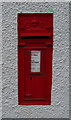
{"points": [[59, 107]]}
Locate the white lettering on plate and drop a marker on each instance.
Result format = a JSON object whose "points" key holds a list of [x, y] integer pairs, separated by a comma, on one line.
{"points": [[35, 61]]}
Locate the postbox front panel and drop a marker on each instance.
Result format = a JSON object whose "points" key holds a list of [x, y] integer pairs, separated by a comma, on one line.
{"points": [[34, 75], [34, 59]]}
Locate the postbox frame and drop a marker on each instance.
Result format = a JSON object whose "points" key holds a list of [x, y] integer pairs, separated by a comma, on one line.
{"points": [[21, 49]]}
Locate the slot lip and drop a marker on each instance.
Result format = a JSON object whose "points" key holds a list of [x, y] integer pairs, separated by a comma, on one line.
{"points": [[28, 35]]}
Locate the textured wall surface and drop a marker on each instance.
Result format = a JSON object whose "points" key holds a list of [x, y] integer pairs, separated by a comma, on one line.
{"points": [[0, 60], [70, 58], [59, 107]]}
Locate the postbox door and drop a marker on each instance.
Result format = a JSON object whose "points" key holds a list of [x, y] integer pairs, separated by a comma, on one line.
{"points": [[35, 77]]}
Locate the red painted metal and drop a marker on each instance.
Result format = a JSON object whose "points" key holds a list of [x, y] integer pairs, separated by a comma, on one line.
{"points": [[35, 33]]}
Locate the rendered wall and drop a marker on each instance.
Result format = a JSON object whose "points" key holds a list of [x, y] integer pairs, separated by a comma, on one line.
{"points": [[59, 107], [0, 59]]}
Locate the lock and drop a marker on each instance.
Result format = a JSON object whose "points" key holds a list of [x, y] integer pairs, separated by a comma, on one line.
{"points": [[35, 48], [30, 78]]}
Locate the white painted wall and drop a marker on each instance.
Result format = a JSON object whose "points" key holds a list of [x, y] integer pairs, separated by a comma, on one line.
{"points": [[59, 107], [0, 60]]}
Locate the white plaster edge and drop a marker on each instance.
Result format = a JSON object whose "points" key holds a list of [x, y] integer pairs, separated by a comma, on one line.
{"points": [[0, 60], [34, 0]]}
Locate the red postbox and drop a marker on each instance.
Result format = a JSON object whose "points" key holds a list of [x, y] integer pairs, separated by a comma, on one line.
{"points": [[35, 46]]}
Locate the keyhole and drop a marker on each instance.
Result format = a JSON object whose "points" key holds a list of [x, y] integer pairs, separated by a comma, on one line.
{"points": [[30, 78]]}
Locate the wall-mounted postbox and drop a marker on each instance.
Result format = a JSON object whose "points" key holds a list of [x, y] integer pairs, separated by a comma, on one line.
{"points": [[35, 46]]}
